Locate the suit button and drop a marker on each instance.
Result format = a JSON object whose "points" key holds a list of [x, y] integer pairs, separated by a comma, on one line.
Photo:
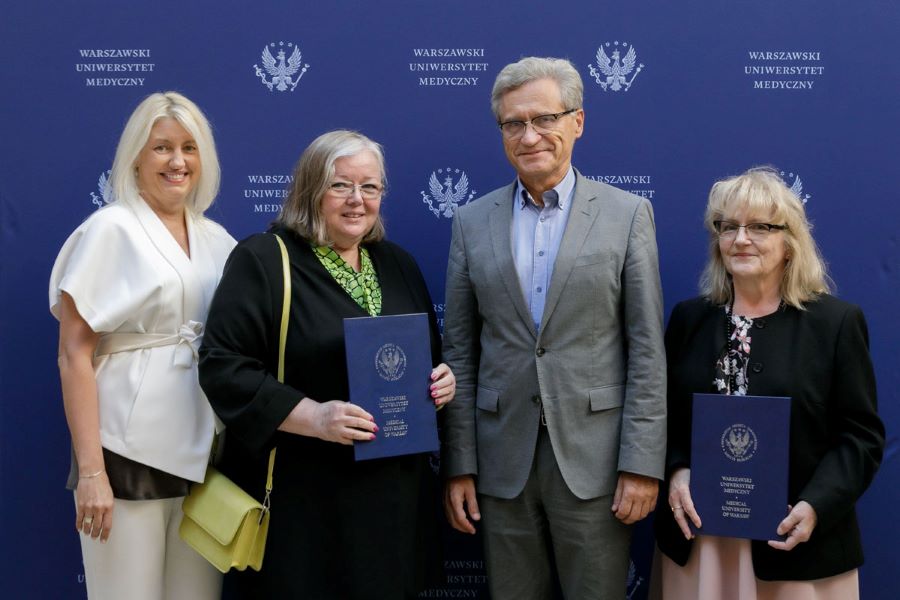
{"points": [[760, 323], [536, 399], [757, 367], [540, 352]]}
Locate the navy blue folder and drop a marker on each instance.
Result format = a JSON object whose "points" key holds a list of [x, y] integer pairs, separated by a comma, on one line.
{"points": [[389, 372], [739, 464]]}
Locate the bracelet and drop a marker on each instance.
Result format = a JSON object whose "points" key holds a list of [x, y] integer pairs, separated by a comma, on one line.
{"points": [[92, 475]]}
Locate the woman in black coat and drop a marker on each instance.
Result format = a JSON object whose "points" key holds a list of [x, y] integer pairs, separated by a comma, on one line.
{"points": [[767, 326], [339, 528]]}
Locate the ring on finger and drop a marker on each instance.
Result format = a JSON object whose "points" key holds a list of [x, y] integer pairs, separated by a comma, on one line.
{"points": [[88, 521], [674, 508]]}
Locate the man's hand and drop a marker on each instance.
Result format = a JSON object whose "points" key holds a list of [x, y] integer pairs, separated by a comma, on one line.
{"points": [[459, 496], [635, 497]]}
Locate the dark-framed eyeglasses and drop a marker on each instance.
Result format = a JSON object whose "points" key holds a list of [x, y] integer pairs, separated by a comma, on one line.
{"points": [[728, 230], [541, 124], [345, 189]]}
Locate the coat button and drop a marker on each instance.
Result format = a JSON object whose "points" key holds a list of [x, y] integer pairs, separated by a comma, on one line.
{"points": [[536, 399], [757, 367], [760, 323], [539, 352]]}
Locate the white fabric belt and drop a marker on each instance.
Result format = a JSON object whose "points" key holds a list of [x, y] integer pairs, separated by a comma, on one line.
{"points": [[186, 340]]}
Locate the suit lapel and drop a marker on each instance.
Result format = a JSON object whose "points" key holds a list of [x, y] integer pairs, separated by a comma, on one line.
{"points": [[500, 225], [585, 209], [171, 252], [199, 287]]}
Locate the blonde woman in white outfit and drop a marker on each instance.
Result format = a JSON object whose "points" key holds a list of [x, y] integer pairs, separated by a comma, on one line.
{"points": [[131, 288]]}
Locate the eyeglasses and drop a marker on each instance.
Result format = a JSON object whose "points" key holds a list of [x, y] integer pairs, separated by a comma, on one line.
{"points": [[513, 130], [345, 189], [728, 230]]}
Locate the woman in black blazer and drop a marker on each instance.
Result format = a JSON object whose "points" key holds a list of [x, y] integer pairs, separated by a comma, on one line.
{"points": [[339, 528], [766, 325]]}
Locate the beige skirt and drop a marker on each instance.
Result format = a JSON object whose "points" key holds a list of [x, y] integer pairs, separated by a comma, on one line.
{"points": [[722, 568]]}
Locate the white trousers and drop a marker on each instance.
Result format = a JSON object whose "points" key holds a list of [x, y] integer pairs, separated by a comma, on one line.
{"points": [[144, 559]]}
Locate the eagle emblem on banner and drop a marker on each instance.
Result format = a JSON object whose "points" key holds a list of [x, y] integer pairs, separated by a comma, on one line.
{"points": [[103, 188], [796, 186], [612, 71], [447, 195], [634, 581], [281, 68]]}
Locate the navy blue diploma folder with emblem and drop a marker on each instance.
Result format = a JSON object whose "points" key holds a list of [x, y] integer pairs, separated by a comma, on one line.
{"points": [[389, 372], [739, 464]]}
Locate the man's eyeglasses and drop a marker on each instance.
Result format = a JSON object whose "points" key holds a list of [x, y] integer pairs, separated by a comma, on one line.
{"points": [[513, 130], [345, 189], [728, 230]]}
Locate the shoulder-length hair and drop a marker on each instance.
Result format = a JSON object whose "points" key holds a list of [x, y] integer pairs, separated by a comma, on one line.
{"points": [[123, 178], [761, 192], [532, 68], [302, 209]]}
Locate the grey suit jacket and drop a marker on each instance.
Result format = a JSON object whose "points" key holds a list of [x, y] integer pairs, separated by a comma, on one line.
{"points": [[597, 366]]}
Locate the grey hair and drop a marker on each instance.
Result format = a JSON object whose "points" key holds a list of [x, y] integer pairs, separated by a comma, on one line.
{"points": [[532, 68], [123, 183], [760, 191], [302, 209]]}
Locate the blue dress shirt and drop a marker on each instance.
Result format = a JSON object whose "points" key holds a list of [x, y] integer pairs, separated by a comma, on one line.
{"points": [[536, 235]]}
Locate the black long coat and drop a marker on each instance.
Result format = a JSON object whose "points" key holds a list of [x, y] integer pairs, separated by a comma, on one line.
{"points": [[820, 358], [339, 529]]}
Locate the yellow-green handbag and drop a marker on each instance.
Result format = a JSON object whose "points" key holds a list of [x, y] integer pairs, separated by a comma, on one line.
{"points": [[222, 522]]}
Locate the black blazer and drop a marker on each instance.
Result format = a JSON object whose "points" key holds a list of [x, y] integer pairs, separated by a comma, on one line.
{"points": [[820, 358]]}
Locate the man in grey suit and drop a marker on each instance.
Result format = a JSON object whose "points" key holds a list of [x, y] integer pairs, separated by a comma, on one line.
{"points": [[553, 327]]}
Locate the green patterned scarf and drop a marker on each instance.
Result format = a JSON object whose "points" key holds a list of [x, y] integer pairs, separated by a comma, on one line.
{"points": [[363, 287]]}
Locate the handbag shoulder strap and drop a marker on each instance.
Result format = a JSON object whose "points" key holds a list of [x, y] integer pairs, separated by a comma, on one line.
{"points": [[285, 306], [282, 344]]}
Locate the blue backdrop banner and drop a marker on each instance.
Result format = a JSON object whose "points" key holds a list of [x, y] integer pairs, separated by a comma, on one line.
{"points": [[712, 88]]}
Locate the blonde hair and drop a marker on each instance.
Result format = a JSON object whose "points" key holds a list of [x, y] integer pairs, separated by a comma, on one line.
{"points": [[302, 209], [123, 178], [760, 191]]}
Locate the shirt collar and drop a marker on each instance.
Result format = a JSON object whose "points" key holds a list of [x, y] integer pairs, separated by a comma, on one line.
{"points": [[553, 198]]}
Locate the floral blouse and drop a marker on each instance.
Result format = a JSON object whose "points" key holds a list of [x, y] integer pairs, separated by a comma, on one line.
{"points": [[731, 368]]}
